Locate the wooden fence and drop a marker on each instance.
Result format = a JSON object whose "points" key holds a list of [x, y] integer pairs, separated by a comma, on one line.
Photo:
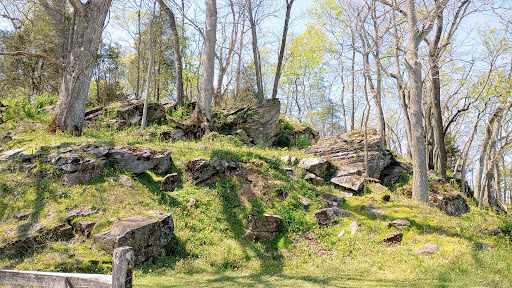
{"points": [[122, 275]]}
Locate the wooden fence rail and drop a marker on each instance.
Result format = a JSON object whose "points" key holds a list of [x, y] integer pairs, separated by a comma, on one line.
{"points": [[122, 275]]}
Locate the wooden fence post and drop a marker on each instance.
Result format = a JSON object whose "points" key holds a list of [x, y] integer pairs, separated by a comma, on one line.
{"points": [[122, 267]]}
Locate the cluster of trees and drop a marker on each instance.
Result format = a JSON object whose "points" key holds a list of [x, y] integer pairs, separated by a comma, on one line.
{"points": [[437, 86]]}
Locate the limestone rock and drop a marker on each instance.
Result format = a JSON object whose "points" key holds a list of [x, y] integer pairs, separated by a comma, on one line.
{"points": [[391, 173], [85, 227], [8, 155], [262, 123], [169, 182], [149, 237], [304, 201], [76, 169], [220, 164], [353, 227], [313, 179], [290, 160], [24, 157], [264, 228], [329, 215], [191, 203], [173, 134], [481, 245], [127, 113], [495, 231], [352, 183], [399, 223], [394, 238], [140, 159], [373, 210], [318, 166], [452, 204], [243, 136], [36, 236], [428, 248], [79, 212], [289, 171], [199, 170], [334, 200], [22, 215], [125, 180], [374, 200]]}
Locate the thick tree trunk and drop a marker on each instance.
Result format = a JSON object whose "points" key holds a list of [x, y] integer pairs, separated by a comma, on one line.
{"points": [[353, 84], [202, 113], [419, 186], [437, 118], [74, 89], [256, 53], [178, 64], [281, 50]]}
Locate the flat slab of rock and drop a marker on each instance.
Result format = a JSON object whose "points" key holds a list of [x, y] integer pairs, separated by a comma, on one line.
{"points": [[149, 237], [264, 228], [140, 159], [199, 170], [125, 180], [453, 205], [394, 238], [313, 179], [399, 223], [334, 200], [10, 154], [79, 212], [22, 215], [318, 166], [329, 215], [85, 227], [428, 248], [353, 183], [373, 210], [24, 243]]}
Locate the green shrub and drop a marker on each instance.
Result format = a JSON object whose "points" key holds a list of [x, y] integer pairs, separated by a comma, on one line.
{"points": [[302, 142], [286, 125]]}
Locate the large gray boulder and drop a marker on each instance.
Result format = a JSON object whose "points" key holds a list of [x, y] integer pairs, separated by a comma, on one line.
{"points": [[452, 204], [318, 166], [140, 159], [262, 122], [76, 169], [329, 215], [149, 237], [264, 228]]}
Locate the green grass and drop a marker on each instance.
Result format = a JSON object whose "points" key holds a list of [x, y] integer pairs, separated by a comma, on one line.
{"points": [[207, 247]]}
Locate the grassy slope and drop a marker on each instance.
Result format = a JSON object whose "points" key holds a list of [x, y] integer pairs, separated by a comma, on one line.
{"points": [[208, 247]]}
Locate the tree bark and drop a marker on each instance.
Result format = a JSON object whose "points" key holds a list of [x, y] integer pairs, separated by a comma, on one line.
{"points": [[281, 50], [178, 64], [256, 53], [74, 89], [150, 69], [202, 113]]}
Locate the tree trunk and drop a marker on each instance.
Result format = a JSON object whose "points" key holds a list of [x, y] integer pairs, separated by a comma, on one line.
{"points": [[150, 69], [419, 186], [74, 88], [281, 50], [202, 113], [178, 64], [353, 83], [137, 93], [440, 158], [256, 53]]}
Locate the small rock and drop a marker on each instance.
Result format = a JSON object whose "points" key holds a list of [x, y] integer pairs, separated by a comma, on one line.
{"points": [[395, 238], [22, 215], [304, 201], [313, 179], [290, 160], [202, 147], [263, 229], [452, 204], [27, 167], [374, 200], [386, 198], [379, 188], [79, 212], [243, 136], [399, 223], [24, 157], [353, 227], [85, 227], [374, 210], [329, 215], [199, 170], [480, 245], [220, 164], [191, 203], [169, 182], [125, 181], [5, 138], [342, 232], [289, 171], [353, 183], [495, 231], [428, 248], [334, 200]]}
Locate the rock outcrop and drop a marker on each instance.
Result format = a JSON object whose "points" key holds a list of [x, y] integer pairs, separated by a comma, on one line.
{"points": [[264, 228], [394, 238], [199, 170], [149, 237], [318, 166], [126, 113], [329, 215], [140, 159], [75, 168], [399, 223]]}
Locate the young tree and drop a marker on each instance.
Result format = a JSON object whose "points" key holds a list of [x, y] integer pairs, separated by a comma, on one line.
{"points": [[256, 53], [289, 4], [202, 113]]}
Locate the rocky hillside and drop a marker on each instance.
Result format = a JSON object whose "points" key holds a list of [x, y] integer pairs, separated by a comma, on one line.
{"points": [[226, 211]]}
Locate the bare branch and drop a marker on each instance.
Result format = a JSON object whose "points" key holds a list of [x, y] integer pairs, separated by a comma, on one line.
{"points": [[33, 55]]}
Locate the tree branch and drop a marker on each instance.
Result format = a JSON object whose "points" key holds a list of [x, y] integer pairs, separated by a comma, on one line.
{"points": [[77, 5], [33, 55]]}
